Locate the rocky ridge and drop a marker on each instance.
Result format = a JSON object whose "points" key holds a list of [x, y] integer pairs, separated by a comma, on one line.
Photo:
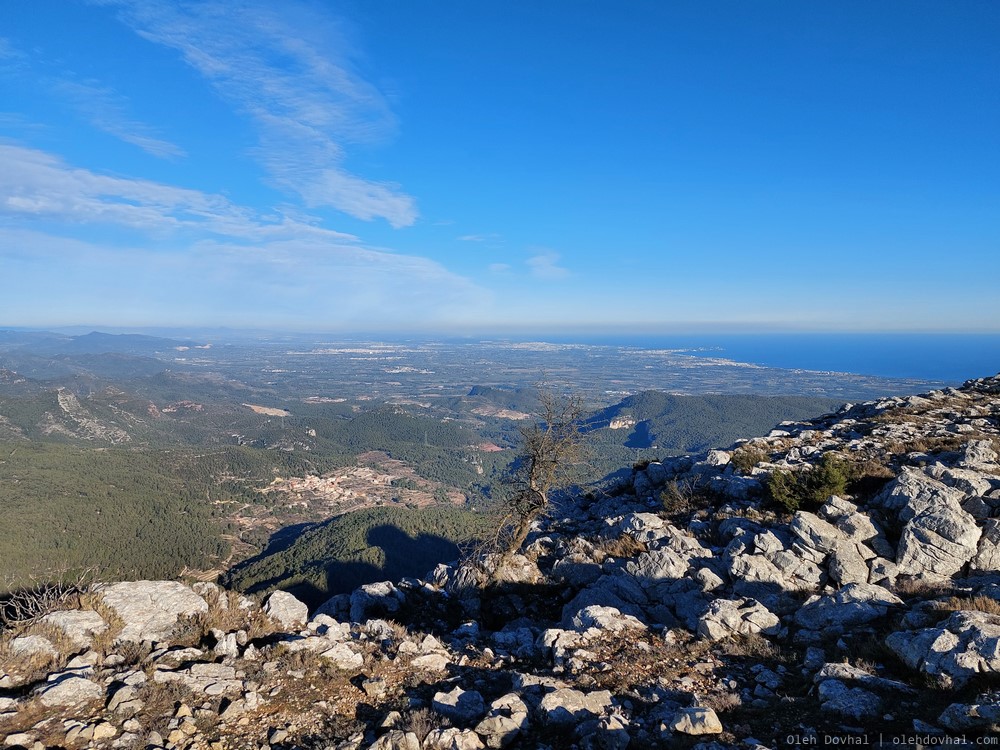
{"points": [[683, 609]]}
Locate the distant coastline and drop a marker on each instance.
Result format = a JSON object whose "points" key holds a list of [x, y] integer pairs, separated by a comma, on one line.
{"points": [[945, 357]]}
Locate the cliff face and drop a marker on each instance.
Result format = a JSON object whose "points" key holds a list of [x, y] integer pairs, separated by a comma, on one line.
{"points": [[687, 604]]}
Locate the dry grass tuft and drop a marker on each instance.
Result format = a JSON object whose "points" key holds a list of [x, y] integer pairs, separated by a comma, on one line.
{"points": [[621, 546], [30, 667], [971, 603], [162, 700], [686, 496], [722, 702], [134, 654], [753, 646], [422, 721], [915, 588]]}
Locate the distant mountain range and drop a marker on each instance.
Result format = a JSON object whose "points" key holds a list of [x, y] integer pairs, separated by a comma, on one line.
{"points": [[47, 343]]}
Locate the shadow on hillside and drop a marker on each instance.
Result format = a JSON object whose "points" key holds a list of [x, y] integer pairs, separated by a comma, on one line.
{"points": [[403, 556]]}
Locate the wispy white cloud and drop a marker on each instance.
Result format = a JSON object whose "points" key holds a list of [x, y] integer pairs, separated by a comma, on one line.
{"points": [[13, 61], [107, 110], [8, 51], [296, 282], [546, 266], [499, 267], [38, 185], [479, 237], [290, 70], [212, 259]]}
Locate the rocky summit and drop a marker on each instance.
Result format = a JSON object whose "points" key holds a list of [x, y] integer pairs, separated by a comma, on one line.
{"points": [[838, 575]]}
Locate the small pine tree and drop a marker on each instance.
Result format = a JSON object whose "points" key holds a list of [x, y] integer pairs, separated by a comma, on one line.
{"points": [[809, 488]]}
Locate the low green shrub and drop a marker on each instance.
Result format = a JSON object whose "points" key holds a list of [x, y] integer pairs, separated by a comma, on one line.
{"points": [[809, 488]]}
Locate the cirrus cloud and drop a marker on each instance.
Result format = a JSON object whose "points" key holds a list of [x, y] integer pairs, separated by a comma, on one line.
{"points": [[545, 265], [291, 73]]}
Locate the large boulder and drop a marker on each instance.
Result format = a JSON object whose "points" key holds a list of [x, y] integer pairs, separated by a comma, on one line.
{"points": [[967, 643], [726, 617], [913, 492], [70, 691], [656, 566], [854, 604], [460, 706], [149, 610], [696, 720], [566, 706], [938, 542], [286, 609]]}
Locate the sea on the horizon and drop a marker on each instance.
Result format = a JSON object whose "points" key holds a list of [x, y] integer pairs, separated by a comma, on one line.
{"points": [[950, 358]]}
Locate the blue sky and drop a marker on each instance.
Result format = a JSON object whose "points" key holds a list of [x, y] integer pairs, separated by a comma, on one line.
{"points": [[491, 166]]}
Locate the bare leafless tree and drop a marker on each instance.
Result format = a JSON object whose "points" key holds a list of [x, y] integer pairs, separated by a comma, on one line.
{"points": [[39, 595], [552, 454]]}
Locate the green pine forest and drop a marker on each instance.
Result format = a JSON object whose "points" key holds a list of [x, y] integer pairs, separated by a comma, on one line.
{"points": [[148, 507]]}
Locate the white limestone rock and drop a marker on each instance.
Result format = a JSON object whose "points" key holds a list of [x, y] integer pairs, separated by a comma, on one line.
{"points": [[375, 600], [566, 706], [854, 604], [815, 533], [286, 609], [967, 643], [938, 542], [452, 739], [979, 455], [658, 565], [727, 617], [853, 702], [461, 706], [605, 619], [79, 625], [28, 646], [344, 657], [696, 720], [507, 718], [70, 691], [396, 739], [987, 557], [984, 715], [150, 609], [849, 563], [913, 492]]}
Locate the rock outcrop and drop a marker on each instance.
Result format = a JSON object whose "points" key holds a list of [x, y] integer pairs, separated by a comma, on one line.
{"points": [[618, 624]]}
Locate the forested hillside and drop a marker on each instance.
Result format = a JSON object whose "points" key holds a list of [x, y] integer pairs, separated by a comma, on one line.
{"points": [[123, 513], [652, 424]]}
